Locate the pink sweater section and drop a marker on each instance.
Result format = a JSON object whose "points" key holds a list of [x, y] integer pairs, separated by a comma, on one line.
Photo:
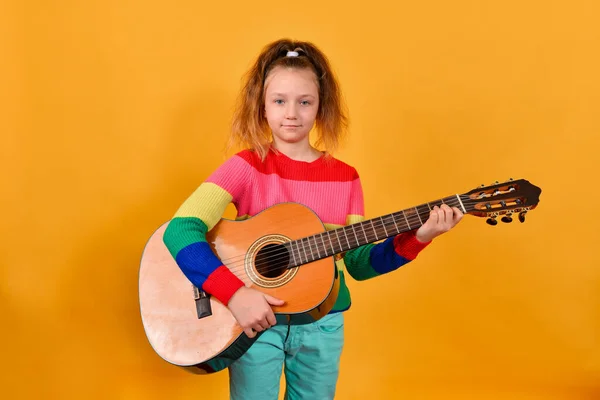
{"points": [[332, 199]]}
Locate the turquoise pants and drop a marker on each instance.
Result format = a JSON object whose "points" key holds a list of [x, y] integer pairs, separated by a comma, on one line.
{"points": [[308, 354]]}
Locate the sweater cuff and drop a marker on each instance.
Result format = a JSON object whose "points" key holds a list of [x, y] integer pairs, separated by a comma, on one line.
{"points": [[408, 246], [222, 284]]}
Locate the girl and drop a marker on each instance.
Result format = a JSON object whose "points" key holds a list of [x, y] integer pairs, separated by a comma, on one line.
{"points": [[289, 90]]}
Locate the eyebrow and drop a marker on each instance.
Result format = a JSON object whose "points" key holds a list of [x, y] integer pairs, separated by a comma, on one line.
{"points": [[283, 95]]}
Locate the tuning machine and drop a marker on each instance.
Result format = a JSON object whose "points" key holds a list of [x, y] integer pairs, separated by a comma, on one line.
{"points": [[522, 216]]}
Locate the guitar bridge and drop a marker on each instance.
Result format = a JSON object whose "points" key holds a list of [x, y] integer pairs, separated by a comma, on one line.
{"points": [[202, 300]]}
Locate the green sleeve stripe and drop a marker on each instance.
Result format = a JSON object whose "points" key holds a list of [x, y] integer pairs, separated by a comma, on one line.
{"points": [[358, 263], [183, 231]]}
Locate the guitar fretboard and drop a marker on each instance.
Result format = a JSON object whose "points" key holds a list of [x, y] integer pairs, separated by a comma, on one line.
{"points": [[329, 243]]}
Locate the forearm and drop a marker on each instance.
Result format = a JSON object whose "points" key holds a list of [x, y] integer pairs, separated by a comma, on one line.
{"points": [[372, 260], [185, 238]]}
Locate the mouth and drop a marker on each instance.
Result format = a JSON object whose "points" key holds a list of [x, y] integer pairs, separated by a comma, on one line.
{"points": [[291, 126]]}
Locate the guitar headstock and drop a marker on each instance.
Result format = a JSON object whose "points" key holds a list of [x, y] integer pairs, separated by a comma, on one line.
{"points": [[507, 198]]}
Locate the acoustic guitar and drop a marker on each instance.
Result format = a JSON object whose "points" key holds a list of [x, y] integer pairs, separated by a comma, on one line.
{"points": [[284, 251]]}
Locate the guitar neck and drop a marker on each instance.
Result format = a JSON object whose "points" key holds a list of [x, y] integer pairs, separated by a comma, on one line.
{"points": [[329, 243]]}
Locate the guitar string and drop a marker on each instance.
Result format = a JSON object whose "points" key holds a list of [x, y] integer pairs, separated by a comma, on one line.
{"points": [[283, 258], [413, 219], [276, 255]]}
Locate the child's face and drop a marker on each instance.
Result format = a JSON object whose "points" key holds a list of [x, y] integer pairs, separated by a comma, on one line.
{"points": [[291, 104]]}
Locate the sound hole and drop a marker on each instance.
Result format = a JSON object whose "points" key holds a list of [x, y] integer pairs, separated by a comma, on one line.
{"points": [[272, 260]]}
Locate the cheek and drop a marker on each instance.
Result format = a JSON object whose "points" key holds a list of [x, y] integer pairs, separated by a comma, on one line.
{"points": [[313, 113], [269, 113]]}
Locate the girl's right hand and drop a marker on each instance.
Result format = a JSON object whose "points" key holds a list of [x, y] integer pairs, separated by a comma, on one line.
{"points": [[252, 310]]}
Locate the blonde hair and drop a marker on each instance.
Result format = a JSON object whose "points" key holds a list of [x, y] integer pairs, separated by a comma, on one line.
{"points": [[249, 126]]}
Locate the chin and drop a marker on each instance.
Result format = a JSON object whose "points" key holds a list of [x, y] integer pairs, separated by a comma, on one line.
{"points": [[293, 138]]}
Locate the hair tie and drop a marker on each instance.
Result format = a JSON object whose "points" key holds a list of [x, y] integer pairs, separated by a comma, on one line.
{"points": [[292, 54]]}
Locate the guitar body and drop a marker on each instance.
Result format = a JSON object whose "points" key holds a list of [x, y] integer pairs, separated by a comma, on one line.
{"points": [[176, 328]]}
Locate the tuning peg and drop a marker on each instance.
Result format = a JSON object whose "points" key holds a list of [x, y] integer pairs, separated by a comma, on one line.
{"points": [[492, 221], [522, 216], [507, 218]]}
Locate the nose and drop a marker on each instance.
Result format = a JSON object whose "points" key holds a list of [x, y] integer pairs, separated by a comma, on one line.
{"points": [[290, 111]]}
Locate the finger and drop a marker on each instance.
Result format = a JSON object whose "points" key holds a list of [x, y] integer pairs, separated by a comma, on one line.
{"points": [[458, 215], [273, 300], [271, 319], [249, 332], [258, 327], [434, 216], [264, 324], [448, 214], [441, 215]]}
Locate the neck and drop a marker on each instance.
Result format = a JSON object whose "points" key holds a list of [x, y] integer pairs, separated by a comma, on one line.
{"points": [[326, 244], [300, 151]]}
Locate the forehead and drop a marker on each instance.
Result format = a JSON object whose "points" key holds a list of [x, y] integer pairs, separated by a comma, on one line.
{"points": [[291, 80]]}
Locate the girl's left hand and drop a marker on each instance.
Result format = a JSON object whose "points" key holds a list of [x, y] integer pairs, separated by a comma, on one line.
{"points": [[441, 220]]}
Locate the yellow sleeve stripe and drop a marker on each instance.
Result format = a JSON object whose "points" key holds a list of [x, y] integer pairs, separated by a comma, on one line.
{"points": [[354, 218], [208, 203]]}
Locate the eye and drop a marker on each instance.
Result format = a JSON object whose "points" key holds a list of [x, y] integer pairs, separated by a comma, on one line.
{"points": [[278, 101], [305, 103]]}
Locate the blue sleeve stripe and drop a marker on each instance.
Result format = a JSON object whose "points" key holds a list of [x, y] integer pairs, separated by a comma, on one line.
{"points": [[384, 258], [197, 261]]}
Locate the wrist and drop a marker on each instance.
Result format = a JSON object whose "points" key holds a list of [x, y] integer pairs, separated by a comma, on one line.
{"points": [[235, 295], [422, 238]]}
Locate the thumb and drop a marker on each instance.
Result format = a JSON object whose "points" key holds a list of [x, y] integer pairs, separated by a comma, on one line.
{"points": [[273, 300]]}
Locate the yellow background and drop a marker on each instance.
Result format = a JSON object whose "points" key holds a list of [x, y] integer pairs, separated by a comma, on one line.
{"points": [[112, 112]]}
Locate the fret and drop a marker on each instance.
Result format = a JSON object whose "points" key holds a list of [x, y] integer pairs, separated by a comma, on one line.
{"points": [[452, 202], [304, 249], [429, 206], [441, 201], [338, 238], [362, 225], [324, 245], [354, 230], [419, 215], [297, 251], [318, 252], [394, 221], [310, 247], [373, 226], [331, 243], [461, 204], [384, 229], [293, 255], [346, 236], [403, 213]]}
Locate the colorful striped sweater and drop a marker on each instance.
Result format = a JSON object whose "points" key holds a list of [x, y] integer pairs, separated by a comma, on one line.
{"points": [[329, 187]]}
